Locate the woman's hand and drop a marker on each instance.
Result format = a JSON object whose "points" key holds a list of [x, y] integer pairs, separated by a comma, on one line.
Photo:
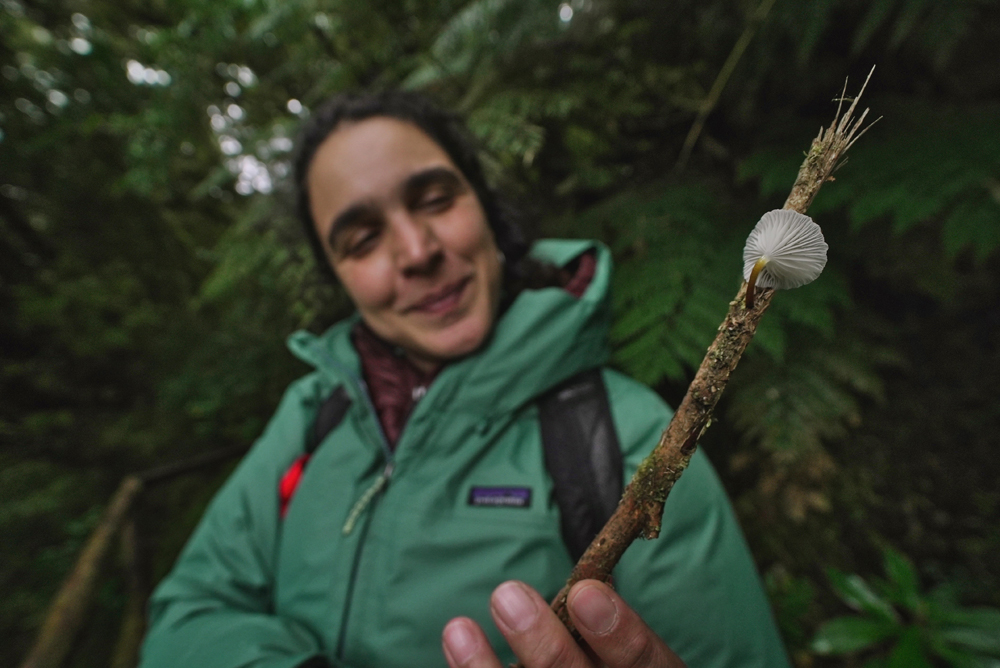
{"points": [[616, 635]]}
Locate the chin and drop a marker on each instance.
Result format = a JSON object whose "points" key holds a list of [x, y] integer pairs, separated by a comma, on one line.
{"points": [[457, 341]]}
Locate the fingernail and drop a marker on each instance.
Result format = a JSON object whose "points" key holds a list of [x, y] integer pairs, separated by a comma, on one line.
{"points": [[459, 641], [594, 609], [514, 607]]}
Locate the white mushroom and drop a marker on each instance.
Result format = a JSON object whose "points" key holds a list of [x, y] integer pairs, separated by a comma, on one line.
{"points": [[785, 250]]}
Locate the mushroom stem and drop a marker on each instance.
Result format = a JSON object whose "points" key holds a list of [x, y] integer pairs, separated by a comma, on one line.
{"points": [[752, 281]]}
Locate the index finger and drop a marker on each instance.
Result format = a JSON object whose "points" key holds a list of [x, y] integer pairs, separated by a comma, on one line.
{"points": [[533, 630], [614, 631]]}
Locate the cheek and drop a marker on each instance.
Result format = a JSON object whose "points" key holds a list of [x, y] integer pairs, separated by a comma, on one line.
{"points": [[467, 233], [368, 284]]}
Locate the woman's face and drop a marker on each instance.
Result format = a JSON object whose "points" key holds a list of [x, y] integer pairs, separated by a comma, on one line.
{"points": [[408, 238]]}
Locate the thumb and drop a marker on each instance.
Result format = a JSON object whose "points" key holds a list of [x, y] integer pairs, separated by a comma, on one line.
{"points": [[614, 631]]}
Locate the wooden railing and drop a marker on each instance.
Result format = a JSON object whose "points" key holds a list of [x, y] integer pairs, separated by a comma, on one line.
{"points": [[68, 610]]}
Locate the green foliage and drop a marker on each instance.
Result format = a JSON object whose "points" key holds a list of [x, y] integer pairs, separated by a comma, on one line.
{"points": [[932, 30], [666, 312], [812, 395], [150, 264], [794, 602], [460, 50], [901, 625]]}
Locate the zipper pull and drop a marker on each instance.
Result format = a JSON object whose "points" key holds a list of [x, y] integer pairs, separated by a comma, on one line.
{"points": [[366, 498]]}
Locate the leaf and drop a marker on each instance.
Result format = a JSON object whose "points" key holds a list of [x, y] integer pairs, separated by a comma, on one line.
{"points": [[907, 20], [817, 19], [987, 619], [961, 658], [854, 591], [974, 222], [977, 629], [844, 635], [947, 180], [776, 169], [977, 640], [909, 652], [903, 578], [875, 662], [810, 395]]}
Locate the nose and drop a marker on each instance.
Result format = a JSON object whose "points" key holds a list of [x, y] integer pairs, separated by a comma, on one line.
{"points": [[417, 248]]}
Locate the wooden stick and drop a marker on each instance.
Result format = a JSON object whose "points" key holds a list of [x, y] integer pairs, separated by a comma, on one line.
{"points": [[641, 509]]}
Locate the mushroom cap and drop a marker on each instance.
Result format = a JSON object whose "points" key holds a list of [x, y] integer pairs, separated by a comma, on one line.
{"points": [[793, 247]]}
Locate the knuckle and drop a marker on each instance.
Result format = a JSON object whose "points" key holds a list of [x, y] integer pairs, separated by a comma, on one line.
{"points": [[640, 652], [553, 655]]}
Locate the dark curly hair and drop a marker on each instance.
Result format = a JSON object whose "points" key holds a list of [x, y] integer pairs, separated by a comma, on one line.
{"points": [[445, 128]]}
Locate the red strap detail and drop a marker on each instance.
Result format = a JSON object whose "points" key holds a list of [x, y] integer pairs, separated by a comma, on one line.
{"points": [[289, 481]]}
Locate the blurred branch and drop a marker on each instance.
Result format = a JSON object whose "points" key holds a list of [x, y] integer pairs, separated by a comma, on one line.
{"points": [[168, 471], [69, 608], [708, 104], [67, 612], [133, 626]]}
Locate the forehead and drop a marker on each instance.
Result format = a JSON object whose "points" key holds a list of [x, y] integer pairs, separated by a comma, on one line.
{"points": [[369, 159]]}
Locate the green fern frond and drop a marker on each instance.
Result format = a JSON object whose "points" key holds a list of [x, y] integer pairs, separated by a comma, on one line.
{"points": [[266, 257], [774, 168], [808, 20], [677, 269], [975, 223], [512, 139], [460, 46], [813, 395], [677, 252]]}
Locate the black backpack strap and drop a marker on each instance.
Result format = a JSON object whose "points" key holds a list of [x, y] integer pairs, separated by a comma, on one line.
{"points": [[582, 455], [330, 413]]}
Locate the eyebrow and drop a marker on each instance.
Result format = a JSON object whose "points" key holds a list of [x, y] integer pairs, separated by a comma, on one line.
{"points": [[412, 187]]}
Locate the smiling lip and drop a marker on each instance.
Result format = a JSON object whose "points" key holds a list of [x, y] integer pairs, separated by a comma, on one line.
{"points": [[442, 301]]}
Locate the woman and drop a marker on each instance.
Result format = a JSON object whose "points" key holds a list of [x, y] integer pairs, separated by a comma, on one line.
{"points": [[378, 551]]}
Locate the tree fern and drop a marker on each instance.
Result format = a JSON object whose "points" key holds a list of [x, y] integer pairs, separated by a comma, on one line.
{"points": [[670, 287], [813, 395]]}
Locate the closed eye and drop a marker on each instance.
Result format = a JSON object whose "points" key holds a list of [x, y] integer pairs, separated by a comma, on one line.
{"points": [[355, 231], [436, 202], [433, 190], [360, 241]]}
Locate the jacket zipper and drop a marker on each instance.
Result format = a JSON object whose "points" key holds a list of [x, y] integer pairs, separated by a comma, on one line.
{"points": [[367, 501], [349, 594]]}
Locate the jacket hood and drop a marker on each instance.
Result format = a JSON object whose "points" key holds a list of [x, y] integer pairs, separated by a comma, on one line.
{"points": [[543, 338]]}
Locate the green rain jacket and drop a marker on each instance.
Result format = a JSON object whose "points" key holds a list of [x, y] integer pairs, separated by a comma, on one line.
{"points": [[379, 550]]}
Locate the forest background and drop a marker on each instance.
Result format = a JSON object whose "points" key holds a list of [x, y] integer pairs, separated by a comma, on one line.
{"points": [[151, 267]]}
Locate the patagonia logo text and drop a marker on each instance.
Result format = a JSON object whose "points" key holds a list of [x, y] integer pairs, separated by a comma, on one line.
{"points": [[500, 497]]}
